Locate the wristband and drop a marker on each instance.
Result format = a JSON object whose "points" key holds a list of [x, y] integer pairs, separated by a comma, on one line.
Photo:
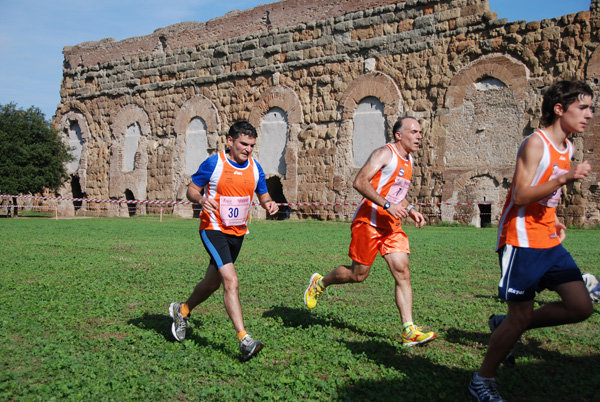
{"points": [[409, 208]]}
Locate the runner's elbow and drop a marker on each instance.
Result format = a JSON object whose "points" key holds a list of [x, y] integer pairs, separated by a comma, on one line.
{"points": [[357, 185], [519, 200]]}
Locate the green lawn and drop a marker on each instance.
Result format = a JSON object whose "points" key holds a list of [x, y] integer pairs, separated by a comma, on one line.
{"points": [[84, 317]]}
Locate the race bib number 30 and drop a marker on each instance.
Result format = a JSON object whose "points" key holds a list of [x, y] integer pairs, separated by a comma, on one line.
{"points": [[234, 210]]}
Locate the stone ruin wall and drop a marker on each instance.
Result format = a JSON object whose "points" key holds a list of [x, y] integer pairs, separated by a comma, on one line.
{"points": [[474, 81]]}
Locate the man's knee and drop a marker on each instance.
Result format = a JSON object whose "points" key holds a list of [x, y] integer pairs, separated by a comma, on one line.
{"points": [[519, 321], [359, 272], [576, 300], [358, 277], [229, 277], [582, 311], [230, 283], [520, 315]]}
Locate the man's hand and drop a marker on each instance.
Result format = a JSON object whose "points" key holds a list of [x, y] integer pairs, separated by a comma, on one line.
{"points": [[397, 211], [579, 171], [418, 218], [210, 205], [271, 207]]}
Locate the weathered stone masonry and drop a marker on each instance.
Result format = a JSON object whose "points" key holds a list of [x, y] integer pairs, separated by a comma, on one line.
{"points": [[311, 76]]}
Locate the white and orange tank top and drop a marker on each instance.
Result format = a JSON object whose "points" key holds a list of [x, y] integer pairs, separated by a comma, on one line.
{"points": [[233, 187], [391, 182], [533, 225]]}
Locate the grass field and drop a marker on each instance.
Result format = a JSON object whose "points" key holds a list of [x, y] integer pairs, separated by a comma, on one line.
{"points": [[83, 307]]}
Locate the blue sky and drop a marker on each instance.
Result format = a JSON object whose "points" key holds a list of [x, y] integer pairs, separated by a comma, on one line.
{"points": [[33, 33]]}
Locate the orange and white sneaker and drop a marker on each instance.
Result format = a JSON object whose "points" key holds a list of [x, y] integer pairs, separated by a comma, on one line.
{"points": [[313, 291], [414, 336], [180, 322]]}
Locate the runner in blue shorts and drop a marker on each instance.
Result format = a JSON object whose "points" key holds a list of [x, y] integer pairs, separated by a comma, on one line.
{"points": [[530, 235], [224, 186]]}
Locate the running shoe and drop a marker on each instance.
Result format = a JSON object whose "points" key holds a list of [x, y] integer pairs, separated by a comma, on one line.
{"points": [[416, 337], [494, 322], [249, 347], [180, 322], [484, 389], [312, 292]]}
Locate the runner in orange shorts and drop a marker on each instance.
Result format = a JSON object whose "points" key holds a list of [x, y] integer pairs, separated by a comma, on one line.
{"points": [[383, 181]]}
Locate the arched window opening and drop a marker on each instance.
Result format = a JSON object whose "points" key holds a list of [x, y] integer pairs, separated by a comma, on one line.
{"points": [[274, 133], [132, 137], [75, 144], [369, 129], [196, 145], [488, 83]]}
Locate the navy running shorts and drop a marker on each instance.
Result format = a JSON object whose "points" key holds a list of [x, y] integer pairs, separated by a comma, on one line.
{"points": [[526, 271]]}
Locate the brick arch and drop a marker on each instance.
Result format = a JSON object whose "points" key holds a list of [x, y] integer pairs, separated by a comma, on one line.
{"points": [[83, 116], [199, 106], [375, 84], [79, 117], [511, 72], [135, 181], [128, 115], [281, 97], [378, 85], [287, 100]]}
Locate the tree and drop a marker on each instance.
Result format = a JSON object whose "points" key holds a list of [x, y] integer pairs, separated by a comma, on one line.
{"points": [[33, 156]]}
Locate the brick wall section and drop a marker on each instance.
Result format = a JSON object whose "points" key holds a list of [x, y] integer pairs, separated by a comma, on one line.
{"points": [[310, 58]]}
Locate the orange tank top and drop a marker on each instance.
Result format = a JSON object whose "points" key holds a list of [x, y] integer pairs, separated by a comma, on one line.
{"points": [[233, 188], [533, 225], [391, 182]]}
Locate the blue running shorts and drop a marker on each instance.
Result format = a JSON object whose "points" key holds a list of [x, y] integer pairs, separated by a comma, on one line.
{"points": [[526, 271]]}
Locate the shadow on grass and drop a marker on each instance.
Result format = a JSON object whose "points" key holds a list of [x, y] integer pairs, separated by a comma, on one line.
{"points": [[543, 380], [161, 324], [422, 380], [304, 318], [158, 323], [425, 379], [458, 336]]}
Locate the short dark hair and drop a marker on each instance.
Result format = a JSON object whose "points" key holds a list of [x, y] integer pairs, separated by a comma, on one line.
{"points": [[565, 93], [399, 124], [242, 127]]}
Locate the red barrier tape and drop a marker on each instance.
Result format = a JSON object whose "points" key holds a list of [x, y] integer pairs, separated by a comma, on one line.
{"points": [[285, 204]]}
